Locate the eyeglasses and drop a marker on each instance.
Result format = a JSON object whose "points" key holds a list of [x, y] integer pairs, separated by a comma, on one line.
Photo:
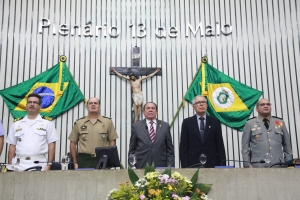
{"points": [[265, 104], [95, 103], [33, 102], [200, 102]]}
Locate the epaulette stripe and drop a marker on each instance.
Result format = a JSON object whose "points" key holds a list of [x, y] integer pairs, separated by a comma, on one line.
{"points": [[277, 117], [17, 119], [47, 118], [80, 118], [107, 117]]}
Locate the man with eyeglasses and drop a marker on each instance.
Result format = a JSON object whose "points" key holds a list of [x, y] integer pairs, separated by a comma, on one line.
{"points": [[265, 134], [30, 138], [201, 134], [89, 132]]}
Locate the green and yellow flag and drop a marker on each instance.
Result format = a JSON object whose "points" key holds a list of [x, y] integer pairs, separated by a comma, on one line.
{"points": [[230, 101], [56, 86]]}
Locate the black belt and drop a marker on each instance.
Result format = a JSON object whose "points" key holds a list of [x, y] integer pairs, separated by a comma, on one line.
{"points": [[87, 155]]}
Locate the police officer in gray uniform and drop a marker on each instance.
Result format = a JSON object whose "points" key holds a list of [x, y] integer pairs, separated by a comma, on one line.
{"points": [[265, 134]]}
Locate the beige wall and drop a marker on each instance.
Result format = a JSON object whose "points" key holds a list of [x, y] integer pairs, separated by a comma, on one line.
{"points": [[246, 184]]}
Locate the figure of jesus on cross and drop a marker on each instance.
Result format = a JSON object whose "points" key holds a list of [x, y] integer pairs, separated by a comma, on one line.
{"points": [[137, 94]]}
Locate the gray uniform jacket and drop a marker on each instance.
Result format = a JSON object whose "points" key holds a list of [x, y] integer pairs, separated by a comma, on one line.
{"points": [[257, 141]]}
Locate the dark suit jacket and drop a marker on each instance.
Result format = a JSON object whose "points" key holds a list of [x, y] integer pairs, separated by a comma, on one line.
{"points": [[161, 151], [191, 144]]}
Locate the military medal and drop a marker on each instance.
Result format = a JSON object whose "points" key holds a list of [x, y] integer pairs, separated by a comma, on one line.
{"points": [[83, 127], [83, 138], [257, 137], [254, 127]]}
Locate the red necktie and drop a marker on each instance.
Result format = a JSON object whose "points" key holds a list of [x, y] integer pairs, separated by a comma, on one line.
{"points": [[152, 133]]}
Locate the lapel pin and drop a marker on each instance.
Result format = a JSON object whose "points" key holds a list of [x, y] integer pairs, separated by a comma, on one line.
{"points": [[208, 126]]}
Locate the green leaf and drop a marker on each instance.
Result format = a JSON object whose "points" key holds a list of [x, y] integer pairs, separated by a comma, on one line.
{"points": [[121, 166], [203, 187], [149, 169], [195, 178], [194, 197], [168, 171], [132, 175]]}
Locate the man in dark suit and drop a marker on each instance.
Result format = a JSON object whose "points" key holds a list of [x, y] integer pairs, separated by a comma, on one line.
{"points": [[201, 136], [151, 140]]}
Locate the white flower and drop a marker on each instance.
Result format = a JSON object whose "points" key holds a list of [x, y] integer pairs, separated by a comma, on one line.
{"points": [[205, 197], [137, 184], [113, 190]]}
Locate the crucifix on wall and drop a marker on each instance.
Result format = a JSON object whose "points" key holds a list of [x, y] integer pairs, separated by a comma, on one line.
{"points": [[133, 77]]}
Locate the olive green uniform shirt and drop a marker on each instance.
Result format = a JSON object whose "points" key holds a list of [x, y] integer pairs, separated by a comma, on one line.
{"points": [[89, 135]]}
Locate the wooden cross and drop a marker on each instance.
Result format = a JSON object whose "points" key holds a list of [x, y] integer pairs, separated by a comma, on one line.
{"points": [[136, 69], [135, 81]]}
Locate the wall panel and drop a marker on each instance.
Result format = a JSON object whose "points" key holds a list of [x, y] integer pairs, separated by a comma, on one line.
{"points": [[262, 52]]}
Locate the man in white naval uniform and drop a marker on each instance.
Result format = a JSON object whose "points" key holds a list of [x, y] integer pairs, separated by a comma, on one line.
{"points": [[31, 138]]}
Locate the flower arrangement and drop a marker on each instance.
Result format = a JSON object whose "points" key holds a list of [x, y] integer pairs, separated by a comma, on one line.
{"points": [[165, 186]]}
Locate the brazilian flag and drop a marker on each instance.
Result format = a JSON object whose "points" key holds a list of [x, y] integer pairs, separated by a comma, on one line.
{"points": [[230, 101], [56, 86]]}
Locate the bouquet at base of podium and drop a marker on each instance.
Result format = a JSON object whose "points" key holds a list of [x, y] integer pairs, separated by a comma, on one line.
{"points": [[165, 186]]}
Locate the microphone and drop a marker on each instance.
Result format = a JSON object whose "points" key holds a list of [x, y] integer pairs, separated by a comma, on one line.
{"points": [[199, 164], [56, 165], [261, 161], [38, 162], [288, 163]]}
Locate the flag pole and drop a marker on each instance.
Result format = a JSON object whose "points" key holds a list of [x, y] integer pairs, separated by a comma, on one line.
{"points": [[203, 60]]}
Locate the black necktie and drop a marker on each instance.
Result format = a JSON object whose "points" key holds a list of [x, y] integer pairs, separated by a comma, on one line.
{"points": [[266, 123], [202, 127]]}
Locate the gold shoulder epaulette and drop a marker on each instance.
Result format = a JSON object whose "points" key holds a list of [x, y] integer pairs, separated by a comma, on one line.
{"points": [[17, 119], [47, 118]]}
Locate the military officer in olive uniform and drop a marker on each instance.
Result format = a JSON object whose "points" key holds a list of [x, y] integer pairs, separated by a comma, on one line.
{"points": [[265, 134], [90, 132]]}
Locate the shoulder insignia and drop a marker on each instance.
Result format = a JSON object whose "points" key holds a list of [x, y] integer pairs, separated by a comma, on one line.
{"points": [[79, 119], [277, 117], [18, 119], [107, 117], [251, 118], [47, 118]]}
